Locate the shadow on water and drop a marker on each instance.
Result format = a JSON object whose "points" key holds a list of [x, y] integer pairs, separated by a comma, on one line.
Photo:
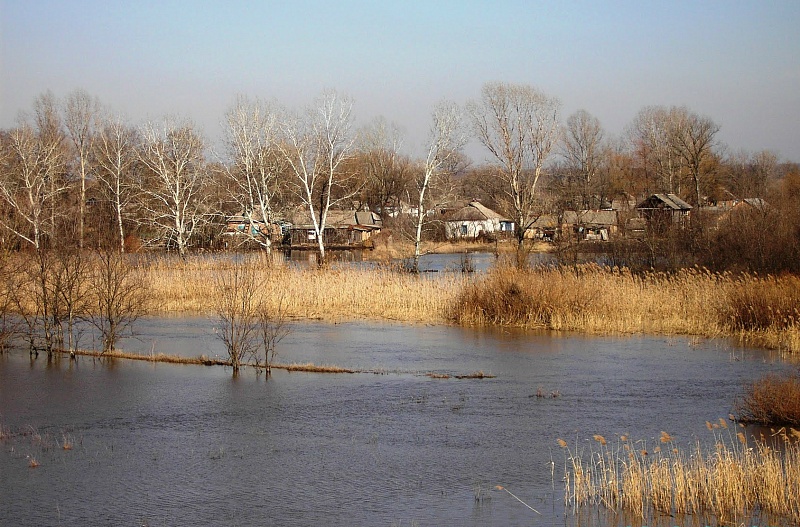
{"points": [[189, 445]]}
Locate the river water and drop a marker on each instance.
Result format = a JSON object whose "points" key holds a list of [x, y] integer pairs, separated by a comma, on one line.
{"points": [[159, 444]]}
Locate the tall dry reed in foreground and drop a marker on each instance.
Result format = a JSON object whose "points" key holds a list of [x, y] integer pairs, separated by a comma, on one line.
{"points": [[331, 294], [729, 483]]}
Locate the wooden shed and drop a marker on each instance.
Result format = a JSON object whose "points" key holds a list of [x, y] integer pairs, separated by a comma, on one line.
{"points": [[343, 229]]}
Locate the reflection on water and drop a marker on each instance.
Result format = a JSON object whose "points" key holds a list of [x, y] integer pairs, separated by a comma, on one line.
{"points": [[428, 263], [157, 444]]}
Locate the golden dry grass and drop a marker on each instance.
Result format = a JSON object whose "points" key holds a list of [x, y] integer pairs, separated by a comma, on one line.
{"points": [[600, 300], [730, 482], [594, 299], [330, 294], [152, 357], [762, 311], [309, 367]]}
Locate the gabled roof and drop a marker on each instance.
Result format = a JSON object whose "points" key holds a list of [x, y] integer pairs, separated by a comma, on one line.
{"points": [[340, 218], [661, 201], [590, 217], [475, 211]]}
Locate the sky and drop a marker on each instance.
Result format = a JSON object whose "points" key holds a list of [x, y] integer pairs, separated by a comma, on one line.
{"points": [[737, 62]]}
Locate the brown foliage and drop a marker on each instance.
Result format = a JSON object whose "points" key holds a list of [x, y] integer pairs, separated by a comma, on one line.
{"points": [[771, 400]]}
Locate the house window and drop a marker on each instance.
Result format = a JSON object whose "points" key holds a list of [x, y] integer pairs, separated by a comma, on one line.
{"points": [[312, 235], [463, 229]]}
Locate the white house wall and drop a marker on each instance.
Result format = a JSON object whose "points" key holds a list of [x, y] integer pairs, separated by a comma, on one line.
{"points": [[456, 229]]}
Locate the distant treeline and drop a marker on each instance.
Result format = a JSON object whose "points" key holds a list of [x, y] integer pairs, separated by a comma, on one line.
{"points": [[74, 175]]}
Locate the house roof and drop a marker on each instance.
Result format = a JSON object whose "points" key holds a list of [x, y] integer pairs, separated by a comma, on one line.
{"points": [[545, 221], [341, 218], [590, 217], [475, 211], [757, 203], [660, 201]]}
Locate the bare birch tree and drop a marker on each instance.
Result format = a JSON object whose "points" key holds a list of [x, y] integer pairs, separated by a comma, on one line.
{"points": [[446, 139], [30, 183], [315, 148], [80, 117], [175, 183], [652, 133], [519, 127], [676, 143], [51, 140], [255, 166], [114, 154]]}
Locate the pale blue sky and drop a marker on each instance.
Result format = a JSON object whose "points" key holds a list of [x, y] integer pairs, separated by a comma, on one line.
{"points": [[737, 62]]}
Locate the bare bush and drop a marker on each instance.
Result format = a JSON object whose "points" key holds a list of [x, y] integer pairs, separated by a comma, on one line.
{"points": [[118, 296], [773, 400], [236, 308], [248, 324]]}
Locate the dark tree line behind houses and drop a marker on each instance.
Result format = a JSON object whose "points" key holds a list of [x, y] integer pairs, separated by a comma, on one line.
{"points": [[75, 176]]}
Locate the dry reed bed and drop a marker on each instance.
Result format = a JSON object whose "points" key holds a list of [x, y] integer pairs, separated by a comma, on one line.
{"points": [[337, 293], [600, 300], [762, 311], [730, 483]]}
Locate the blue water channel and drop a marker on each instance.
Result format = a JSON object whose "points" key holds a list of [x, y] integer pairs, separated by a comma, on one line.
{"points": [[158, 444]]}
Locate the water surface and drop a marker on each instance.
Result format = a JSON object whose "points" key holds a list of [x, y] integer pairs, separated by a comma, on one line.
{"points": [[159, 444]]}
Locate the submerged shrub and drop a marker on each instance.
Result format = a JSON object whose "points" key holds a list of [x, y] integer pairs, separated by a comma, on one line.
{"points": [[771, 400]]}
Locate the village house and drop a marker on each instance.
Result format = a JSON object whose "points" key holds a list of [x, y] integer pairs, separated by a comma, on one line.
{"points": [[662, 210], [474, 220], [544, 228], [343, 229], [595, 225]]}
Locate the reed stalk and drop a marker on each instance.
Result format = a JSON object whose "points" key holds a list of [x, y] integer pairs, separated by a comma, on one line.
{"points": [[732, 482]]}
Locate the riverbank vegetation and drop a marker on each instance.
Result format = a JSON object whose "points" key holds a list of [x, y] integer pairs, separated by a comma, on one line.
{"points": [[759, 310], [334, 293], [599, 300], [734, 482]]}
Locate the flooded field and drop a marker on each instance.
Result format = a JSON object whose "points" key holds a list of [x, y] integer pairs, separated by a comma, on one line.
{"points": [[158, 444]]}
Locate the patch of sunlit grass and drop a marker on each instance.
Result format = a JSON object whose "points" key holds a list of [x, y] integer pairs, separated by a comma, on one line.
{"points": [[309, 293]]}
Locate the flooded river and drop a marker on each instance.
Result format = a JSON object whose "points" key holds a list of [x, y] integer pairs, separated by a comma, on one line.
{"points": [[158, 444]]}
